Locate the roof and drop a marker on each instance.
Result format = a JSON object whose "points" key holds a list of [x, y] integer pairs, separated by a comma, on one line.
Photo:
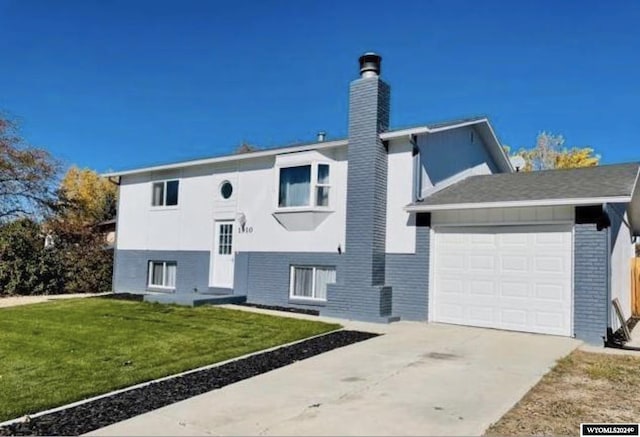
{"points": [[589, 185], [483, 122], [107, 222]]}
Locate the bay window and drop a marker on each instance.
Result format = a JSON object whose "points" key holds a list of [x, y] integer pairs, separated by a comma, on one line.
{"points": [[322, 187], [303, 185], [294, 186]]}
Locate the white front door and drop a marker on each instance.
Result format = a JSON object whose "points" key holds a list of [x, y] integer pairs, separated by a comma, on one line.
{"points": [[506, 277], [222, 256]]}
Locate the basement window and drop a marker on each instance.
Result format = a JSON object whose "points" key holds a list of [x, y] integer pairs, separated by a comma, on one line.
{"points": [[310, 282], [162, 274]]}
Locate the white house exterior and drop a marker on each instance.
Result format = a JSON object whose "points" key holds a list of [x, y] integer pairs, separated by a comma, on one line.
{"points": [[377, 227]]}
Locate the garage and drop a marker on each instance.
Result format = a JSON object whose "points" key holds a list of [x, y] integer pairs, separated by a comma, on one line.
{"points": [[506, 277]]}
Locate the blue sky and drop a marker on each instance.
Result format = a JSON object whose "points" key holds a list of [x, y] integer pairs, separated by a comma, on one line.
{"points": [[120, 84]]}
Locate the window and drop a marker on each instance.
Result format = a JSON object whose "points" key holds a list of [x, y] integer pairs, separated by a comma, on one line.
{"points": [[226, 189], [309, 282], [225, 239], [165, 193], [162, 274], [295, 186], [322, 187]]}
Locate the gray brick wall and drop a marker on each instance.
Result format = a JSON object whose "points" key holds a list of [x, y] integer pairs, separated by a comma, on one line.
{"points": [[367, 180], [408, 274], [131, 267], [363, 293], [591, 283], [264, 276], [241, 273]]}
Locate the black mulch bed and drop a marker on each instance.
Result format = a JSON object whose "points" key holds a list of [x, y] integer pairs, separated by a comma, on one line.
{"points": [[277, 308], [106, 411], [122, 296]]}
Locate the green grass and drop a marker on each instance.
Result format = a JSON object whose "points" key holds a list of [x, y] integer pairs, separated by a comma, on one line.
{"points": [[59, 352]]}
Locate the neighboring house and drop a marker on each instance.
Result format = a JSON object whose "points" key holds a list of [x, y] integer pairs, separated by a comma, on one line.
{"points": [[428, 223], [108, 229]]}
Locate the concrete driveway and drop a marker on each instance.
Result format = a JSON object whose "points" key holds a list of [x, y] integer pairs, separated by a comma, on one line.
{"points": [[417, 379]]}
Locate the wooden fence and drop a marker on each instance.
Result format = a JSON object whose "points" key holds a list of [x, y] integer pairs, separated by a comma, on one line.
{"points": [[635, 286]]}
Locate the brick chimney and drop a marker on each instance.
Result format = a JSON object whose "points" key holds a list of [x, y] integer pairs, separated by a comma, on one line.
{"points": [[363, 274]]}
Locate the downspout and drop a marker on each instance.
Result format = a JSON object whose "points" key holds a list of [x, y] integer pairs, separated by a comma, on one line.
{"points": [[605, 207]]}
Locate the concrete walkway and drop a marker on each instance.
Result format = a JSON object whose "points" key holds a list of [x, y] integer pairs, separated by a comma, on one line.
{"points": [[417, 379], [13, 301]]}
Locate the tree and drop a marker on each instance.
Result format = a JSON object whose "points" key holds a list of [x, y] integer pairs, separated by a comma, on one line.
{"points": [[27, 267], [87, 264], [86, 198], [549, 153], [26, 175], [577, 157]]}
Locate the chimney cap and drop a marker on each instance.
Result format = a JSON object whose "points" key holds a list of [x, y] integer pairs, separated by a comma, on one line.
{"points": [[370, 64]]}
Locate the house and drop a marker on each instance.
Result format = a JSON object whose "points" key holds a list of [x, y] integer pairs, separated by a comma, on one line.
{"points": [[108, 230], [429, 223]]}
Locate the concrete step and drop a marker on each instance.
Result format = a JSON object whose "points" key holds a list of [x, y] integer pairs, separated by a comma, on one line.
{"points": [[194, 299]]}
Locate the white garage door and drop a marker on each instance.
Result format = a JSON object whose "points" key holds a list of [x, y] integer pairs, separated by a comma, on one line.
{"points": [[506, 277]]}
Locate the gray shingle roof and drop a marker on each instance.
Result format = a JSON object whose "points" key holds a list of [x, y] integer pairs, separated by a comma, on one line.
{"points": [[601, 181]]}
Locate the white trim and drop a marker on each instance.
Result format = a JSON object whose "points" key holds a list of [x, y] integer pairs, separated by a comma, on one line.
{"points": [[634, 208], [432, 271], [572, 280], [292, 209], [427, 130], [516, 203], [227, 158], [392, 135], [314, 146], [502, 152], [510, 223]]}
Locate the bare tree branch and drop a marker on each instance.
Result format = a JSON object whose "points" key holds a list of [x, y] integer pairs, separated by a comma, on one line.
{"points": [[27, 175]]}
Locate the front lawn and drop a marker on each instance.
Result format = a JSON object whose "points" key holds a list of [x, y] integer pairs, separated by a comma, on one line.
{"points": [[59, 352], [583, 387]]}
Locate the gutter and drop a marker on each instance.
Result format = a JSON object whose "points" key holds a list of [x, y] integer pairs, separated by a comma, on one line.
{"points": [[518, 203]]}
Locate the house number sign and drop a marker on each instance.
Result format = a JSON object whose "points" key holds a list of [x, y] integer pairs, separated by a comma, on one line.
{"points": [[245, 230]]}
